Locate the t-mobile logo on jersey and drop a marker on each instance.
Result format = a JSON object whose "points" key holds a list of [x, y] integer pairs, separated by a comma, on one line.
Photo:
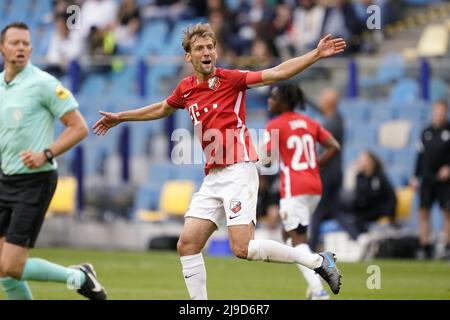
{"points": [[195, 111]]}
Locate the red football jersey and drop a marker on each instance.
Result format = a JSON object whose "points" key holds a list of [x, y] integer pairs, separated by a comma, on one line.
{"points": [[217, 109], [299, 169]]}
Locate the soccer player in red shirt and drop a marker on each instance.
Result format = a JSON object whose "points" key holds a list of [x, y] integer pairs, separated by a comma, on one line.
{"points": [[215, 99], [300, 184]]}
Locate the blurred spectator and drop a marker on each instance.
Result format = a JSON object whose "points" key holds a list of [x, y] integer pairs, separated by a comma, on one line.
{"points": [[390, 10], [128, 25], [100, 14], [217, 5], [282, 26], [65, 46], [170, 10], [341, 20], [218, 21], [102, 47], [260, 56], [307, 25], [373, 197], [433, 172], [268, 201], [331, 175]]}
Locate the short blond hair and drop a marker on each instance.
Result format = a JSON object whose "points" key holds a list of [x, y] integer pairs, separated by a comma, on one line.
{"points": [[203, 30]]}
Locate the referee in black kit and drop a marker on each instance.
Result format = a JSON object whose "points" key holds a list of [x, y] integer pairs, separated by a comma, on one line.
{"points": [[433, 173]]}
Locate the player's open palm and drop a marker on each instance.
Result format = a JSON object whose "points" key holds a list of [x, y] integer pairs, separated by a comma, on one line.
{"points": [[108, 121], [328, 47]]}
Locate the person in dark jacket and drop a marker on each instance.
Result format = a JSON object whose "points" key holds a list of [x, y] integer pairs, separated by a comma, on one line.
{"points": [[373, 198], [433, 173], [331, 175]]}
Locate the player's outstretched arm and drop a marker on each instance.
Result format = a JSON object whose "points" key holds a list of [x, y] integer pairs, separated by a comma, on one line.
{"points": [[332, 147], [152, 112], [327, 47]]}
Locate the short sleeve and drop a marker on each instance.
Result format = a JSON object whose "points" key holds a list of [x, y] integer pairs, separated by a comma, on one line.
{"points": [[175, 100], [238, 78], [323, 135], [57, 99]]}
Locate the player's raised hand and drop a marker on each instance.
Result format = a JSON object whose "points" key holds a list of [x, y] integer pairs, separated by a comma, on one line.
{"points": [[108, 121], [328, 47]]}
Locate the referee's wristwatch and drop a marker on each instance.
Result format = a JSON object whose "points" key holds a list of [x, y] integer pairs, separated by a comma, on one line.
{"points": [[49, 155]]}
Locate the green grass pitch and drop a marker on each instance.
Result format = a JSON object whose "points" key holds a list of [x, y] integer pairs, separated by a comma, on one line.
{"points": [[157, 275]]}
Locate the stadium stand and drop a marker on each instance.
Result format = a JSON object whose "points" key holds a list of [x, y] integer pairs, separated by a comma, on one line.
{"points": [[369, 120]]}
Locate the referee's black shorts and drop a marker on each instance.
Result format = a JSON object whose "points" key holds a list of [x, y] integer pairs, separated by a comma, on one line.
{"points": [[431, 191], [24, 200]]}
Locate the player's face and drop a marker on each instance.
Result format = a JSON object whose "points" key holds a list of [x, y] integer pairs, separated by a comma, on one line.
{"points": [[203, 55], [16, 47], [274, 102]]}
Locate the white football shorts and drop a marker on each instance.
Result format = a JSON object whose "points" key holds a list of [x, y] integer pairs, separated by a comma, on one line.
{"points": [[227, 193], [298, 210]]}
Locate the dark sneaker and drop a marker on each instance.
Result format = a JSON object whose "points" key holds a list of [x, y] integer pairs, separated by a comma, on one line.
{"points": [[91, 288], [424, 252], [329, 271]]}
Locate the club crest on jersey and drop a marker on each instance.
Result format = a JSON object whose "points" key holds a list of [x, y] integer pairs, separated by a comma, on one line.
{"points": [[214, 83], [235, 206]]}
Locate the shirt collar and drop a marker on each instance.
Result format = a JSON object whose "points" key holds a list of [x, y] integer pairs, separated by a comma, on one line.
{"points": [[18, 78]]}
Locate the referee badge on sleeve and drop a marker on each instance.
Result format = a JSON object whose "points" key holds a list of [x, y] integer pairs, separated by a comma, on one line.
{"points": [[61, 92]]}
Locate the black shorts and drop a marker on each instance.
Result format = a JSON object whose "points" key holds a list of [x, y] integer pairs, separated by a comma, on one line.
{"points": [[432, 191], [24, 200]]}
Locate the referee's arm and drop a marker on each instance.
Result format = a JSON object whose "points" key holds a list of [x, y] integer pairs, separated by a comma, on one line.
{"points": [[76, 130]]}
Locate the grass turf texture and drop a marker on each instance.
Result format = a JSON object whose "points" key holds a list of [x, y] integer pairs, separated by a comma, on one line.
{"points": [[157, 275]]}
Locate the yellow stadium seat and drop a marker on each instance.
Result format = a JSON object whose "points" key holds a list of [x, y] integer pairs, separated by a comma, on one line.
{"points": [[150, 216], [64, 199], [176, 196], [405, 197]]}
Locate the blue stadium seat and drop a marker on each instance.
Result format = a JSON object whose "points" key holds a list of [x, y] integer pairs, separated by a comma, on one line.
{"points": [[40, 9], [355, 110], [399, 177], [183, 120], [413, 112], [365, 134], [392, 67], [95, 154], [405, 159], [158, 79], [438, 90], [19, 10], [147, 197], [405, 90], [41, 39], [94, 85], [350, 154], [189, 172], [123, 83], [381, 111], [152, 38], [174, 43], [143, 134], [386, 155], [160, 173]]}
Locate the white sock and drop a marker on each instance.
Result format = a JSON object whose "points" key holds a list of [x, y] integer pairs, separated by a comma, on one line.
{"points": [[312, 278], [194, 273], [272, 251]]}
